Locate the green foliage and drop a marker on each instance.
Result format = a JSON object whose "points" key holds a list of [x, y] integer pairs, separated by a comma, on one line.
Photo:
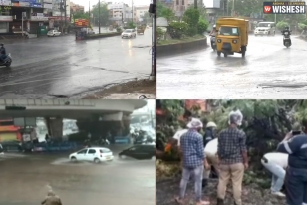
{"points": [[191, 17], [302, 26], [281, 25], [81, 15], [119, 30], [168, 14], [160, 33], [104, 14], [202, 26], [130, 25], [177, 29]]}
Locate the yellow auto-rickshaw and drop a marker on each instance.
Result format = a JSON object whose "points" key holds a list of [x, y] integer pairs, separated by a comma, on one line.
{"points": [[232, 36]]}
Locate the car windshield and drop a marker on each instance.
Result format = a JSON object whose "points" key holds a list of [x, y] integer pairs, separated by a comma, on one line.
{"points": [[264, 25], [128, 31], [229, 31]]}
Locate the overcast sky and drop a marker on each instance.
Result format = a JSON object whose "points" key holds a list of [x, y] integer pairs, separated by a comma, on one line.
{"points": [[129, 2]]}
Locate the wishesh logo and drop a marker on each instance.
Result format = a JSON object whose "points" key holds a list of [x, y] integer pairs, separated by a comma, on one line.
{"points": [[284, 7]]}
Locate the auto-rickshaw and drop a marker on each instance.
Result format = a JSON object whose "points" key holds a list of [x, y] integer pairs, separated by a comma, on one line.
{"points": [[141, 29], [232, 36]]}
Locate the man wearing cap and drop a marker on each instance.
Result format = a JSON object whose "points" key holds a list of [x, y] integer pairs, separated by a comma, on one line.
{"points": [[295, 144], [193, 158], [232, 156], [209, 132]]}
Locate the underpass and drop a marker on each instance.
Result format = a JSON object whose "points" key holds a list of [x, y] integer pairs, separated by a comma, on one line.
{"points": [[24, 181], [269, 70]]}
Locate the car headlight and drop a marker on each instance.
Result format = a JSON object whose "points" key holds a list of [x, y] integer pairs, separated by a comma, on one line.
{"points": [[235, 41], [219, 40]]}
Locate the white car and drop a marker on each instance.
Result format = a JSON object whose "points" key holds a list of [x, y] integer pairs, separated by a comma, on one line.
{"points": [[129, 33], [54, 33], [92, 154]]}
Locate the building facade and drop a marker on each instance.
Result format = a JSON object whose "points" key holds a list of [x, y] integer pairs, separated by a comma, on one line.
{"points": [[76, 8], [119, 12], [140, 12]]}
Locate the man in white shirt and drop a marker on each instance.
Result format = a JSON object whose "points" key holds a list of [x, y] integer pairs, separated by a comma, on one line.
{"points": [[276, 163], [212, 159]]}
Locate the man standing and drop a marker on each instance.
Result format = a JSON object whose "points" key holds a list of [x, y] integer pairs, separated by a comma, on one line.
{"points": [[276, 163], [232, 156], [295, 144], [193, 157]]}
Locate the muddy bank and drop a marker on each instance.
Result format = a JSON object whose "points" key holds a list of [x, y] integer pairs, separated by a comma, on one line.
{"points": [[167, 189], [129, 90]]}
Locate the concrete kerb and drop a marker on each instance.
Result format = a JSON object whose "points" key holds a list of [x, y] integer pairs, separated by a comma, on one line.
{"points": [[198, 44], [95, 36]]}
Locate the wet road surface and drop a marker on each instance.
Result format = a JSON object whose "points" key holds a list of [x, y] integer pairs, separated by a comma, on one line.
{"points": [[24, 181], [60, 66], [269, 70]]}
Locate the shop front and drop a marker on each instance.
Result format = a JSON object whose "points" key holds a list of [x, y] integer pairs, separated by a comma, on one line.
{"points": [[5, 18]]}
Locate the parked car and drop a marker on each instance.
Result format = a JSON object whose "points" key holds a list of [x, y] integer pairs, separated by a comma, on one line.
{"points": [[129, 33], [144, 151], [53, 33], [92, 154]]}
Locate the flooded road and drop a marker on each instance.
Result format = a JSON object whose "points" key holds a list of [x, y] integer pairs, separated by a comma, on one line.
{"points": [[24, 180], [60, 66], [269, 70]]}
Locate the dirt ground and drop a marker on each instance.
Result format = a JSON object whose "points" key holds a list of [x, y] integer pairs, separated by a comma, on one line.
{"points": [[167, 190], [129, 90]]}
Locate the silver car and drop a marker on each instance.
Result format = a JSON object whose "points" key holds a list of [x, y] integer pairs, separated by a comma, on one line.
{"points": [[129, 33]]}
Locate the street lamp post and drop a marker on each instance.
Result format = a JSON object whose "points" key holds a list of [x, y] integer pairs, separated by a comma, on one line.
{"points": [[233, 8], [89, 12], [99, 17], [132, 13], [275, 14]]}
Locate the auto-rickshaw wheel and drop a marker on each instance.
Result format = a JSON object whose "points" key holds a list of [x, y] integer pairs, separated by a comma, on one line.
{"points": [[218, 53], [225, 55]]}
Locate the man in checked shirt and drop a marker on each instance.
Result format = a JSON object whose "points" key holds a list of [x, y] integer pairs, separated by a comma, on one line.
{"points": [[232, 156], [193, 158]]}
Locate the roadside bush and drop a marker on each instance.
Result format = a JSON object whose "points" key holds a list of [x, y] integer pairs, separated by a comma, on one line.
{"points": [[160, 33], [202, 26], [302, 27], [191, 17], [281, 25], [119, 30], [177, 29]]}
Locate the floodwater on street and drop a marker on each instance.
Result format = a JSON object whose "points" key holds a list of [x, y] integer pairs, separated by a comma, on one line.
{"points": [[24, 180], [269, 70], [61, 66]]}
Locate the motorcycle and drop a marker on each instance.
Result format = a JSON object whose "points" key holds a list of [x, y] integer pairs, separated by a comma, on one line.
{"points": [[213, 43], [7, 61], [287, 39]]}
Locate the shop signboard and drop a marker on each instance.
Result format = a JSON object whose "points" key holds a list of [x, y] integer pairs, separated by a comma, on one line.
{"points": [[82, 22], [47, 6], [6, 18], [39, 18], [48, 1], [24, 4], [36, 5], [5, 3]]}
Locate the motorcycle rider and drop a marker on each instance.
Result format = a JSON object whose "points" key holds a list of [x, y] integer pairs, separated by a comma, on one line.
{"points": [[288, 32], [213, 32], [2, 52]]}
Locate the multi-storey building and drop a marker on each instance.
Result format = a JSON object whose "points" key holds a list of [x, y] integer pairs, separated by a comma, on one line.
{"points": [[139, 12], [76, 8], [119, 12]]}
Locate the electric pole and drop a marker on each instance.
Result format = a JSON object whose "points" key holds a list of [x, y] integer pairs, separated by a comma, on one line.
{"points": [[65, 12], [89, 12], [195, 4], [99, 17], [132, 13]]}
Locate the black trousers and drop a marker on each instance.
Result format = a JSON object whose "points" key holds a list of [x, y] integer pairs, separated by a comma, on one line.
{"points": [[296, 186]]}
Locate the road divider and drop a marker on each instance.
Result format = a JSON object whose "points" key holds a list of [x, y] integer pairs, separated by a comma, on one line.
{"points": [[103, 35], [182, 47]]}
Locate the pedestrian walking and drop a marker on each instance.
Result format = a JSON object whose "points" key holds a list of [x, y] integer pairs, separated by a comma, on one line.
{"points": [[232, 156], [276, 163], [295, 144], [193, 158]]}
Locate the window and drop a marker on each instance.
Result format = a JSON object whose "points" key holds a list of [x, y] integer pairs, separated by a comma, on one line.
{"points": [[229, 31], [105, 151], [135, 148], [177, 2], [182, 2], [91, 151], [84, 151]]}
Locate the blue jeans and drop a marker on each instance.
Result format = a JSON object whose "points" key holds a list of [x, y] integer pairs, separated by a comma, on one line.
{"points": [[3, 57], [197, 173], [278, 175], [296, 186]]}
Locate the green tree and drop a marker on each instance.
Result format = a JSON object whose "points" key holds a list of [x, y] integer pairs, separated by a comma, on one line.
{"points": [[81, 15], [165, 12], [104, 14], [191, 17]]}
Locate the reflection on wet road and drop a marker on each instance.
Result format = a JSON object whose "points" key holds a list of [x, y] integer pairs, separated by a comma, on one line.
{"points": [[269, 70], [24, 181], [46, 67]]}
